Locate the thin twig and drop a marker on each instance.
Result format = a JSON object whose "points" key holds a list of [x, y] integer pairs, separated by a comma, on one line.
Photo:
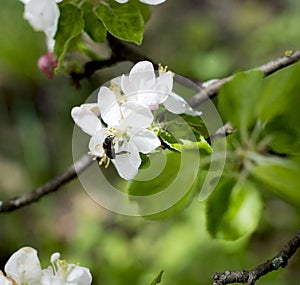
{"points": [[222, 132], [122, 52], [251, 276], [268, 68], [50, 186]]}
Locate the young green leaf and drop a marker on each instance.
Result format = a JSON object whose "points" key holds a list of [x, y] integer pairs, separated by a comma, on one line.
{"points": [[282, 177], [238, 99], [167, 185], [233, 210], [70, 25], [197, 125], [123, 21], [285, 136], [217, 204], [278, 94], [168, 140], [157, 279]]}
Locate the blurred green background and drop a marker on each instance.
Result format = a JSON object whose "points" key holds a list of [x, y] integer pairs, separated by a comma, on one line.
{"points": [[202, 39]]}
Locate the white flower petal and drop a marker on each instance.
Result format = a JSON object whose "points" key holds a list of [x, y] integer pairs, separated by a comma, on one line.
{"points": [[127, 86], [109, 106], [50, 43], [152, 2], [86, 118], [24, 266], [166, 80], [4, 280], [149, 98], [48, 277], [42, 15], [121, 1], [177, 105], [145, 140], [142, 73], [141, 78], [127, 163], [136, 116], [78, 275], [95, 144]]}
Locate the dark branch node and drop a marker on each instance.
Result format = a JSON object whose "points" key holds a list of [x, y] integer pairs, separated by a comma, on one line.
{"points": [[251, 276]]}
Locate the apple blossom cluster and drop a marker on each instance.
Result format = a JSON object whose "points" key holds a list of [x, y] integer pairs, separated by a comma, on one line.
{"points": [[24, 267], [121, 124], [43, 16]]}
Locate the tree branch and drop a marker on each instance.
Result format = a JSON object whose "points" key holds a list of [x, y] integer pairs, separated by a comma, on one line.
{"points": [[251, 276], [51, 186], [222, 132], [121, 52], [268, 68]]}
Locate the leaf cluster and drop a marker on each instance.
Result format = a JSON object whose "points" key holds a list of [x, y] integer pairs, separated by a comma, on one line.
{"points": [[262, 153], [97, 18]]}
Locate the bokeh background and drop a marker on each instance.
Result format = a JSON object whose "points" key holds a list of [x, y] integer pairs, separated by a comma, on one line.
{"points": [[202, 39]]}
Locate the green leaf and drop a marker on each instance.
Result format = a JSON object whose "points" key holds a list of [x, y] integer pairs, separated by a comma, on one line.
{"points": [[167, 185], [144, 9], [93, 26], [123, 21], [168, 140], [233, 209], [279, 107], [217, 204], [282, 178], [70, 25], [285, 136], [238, 98], [157, 279], [197, 124], [279, 91]]}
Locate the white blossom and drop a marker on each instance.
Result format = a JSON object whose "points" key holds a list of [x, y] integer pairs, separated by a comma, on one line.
{"points": [[43, 16], [121, 129], [23, 267], [62, 273], [142, 86], [149, 2], [127, 128]]}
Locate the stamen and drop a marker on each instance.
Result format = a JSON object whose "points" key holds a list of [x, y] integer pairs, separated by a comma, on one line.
{"points": [[162, 69], [107, 162]]}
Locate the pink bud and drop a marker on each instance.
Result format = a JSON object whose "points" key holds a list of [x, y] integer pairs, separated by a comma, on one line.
{"points": [[47, 63]]}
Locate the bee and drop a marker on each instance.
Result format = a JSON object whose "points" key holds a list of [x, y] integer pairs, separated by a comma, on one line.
{"points": [[109, 151], [108, 146]]}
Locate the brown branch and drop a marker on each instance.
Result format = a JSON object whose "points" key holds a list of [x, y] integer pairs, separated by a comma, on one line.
{"points": [[120, 52], [251, 276], [91, 67], [51, 186], [222, 132], [268, 68], [123, 52]]}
